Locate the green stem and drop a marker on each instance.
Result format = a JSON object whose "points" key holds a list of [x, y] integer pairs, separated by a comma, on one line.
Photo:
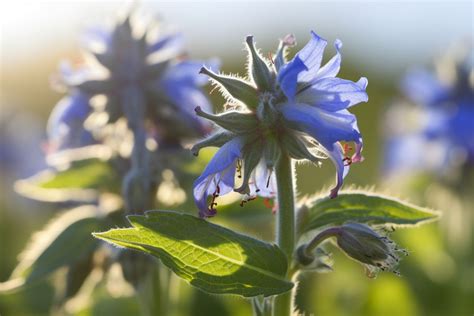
{"points": [[285, 225], [325, 234], [147, 294]]}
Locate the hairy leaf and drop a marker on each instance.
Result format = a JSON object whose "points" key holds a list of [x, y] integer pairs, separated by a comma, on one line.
{"points": [[210, 257], [64, 241], [361, 207]]}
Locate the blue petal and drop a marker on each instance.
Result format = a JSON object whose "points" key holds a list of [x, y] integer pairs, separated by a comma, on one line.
{"points": [[334, 94], [331, 69], [172, 44], [423, 88], [407, 153], [187, 72], [97, 39], [328, 128], [74, 76], [181, 84], [263, 181], [311, 55], [69, 109], [65, 124], [220, 171], [287, 77], [336, 153], [324, 126], [461, 128], [186, 100]]}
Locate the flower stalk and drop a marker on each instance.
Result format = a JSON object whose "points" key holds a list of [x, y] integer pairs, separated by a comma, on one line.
{"points": [[285, 226]]}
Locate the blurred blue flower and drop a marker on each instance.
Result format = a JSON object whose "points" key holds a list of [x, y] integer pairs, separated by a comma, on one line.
{"points": [[65, 124], [144, 77], [297, 107], [21, 152], [438, 133]]}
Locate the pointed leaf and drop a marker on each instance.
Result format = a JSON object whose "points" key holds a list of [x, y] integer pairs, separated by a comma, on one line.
{"points": [[64, 241], [361, 207], [210, 257]]}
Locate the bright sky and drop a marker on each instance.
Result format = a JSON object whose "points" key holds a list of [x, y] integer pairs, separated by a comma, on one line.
{"points": [[406, 32]]}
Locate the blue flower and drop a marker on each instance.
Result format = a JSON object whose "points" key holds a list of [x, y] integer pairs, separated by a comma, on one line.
{"points": [[440, 135], [297, 108], [145, 79], [66, 123]]}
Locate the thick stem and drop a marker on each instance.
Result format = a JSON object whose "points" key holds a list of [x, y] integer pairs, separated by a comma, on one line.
{"points": [[138, 194], [285, 225]]}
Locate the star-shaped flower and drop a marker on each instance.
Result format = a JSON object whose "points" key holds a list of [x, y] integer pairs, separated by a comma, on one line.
{"points": [[145, 78], [295, 108]]}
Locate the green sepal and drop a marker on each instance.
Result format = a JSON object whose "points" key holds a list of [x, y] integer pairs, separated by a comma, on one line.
{"points": [[261, 73], [235, 89], [233, 121], [215, 140]]}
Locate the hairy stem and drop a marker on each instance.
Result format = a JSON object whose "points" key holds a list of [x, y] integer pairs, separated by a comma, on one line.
{"points": [[325, 234], [285, 229]]}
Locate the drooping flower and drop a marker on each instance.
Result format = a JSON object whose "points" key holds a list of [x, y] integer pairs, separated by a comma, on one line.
{"points": [[363, 244], [292, 107], [374, 249], [145, 78], [434, 130]]}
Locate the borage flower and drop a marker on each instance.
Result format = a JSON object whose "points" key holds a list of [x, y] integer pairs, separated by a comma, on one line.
{"points": [[145, 78], [66, 121], [296, 108], [435, 131]]}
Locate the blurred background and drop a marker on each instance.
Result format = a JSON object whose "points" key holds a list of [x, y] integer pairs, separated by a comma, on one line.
{"points": [[382, 40]]}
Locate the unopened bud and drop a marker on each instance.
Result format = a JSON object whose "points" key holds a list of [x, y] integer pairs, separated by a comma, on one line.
{"points": [[136, 190], [365, 245]]}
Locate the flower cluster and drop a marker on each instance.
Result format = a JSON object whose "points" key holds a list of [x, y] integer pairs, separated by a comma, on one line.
{"points": [[295, 108], [145, 78], [438, 133]]}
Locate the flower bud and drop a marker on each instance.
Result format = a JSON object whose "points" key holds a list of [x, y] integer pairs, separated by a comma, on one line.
{"points": [[363, 244], [137, 190]]}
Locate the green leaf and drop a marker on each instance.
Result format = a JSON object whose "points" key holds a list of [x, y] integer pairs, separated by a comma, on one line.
{"points": [[361, 207], [210, 257], [82, 180], [65, 240], [90, 173]]}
